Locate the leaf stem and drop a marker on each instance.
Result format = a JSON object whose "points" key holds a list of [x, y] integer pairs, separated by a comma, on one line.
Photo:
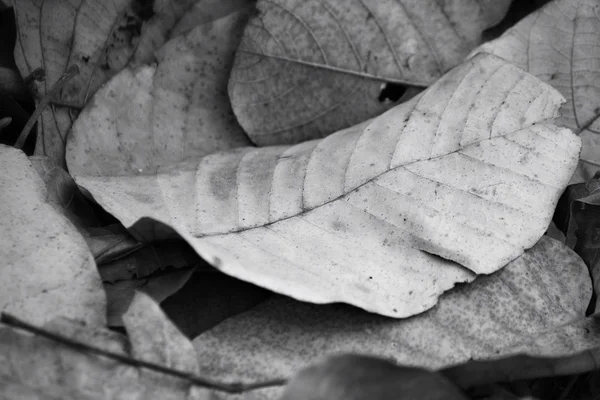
{"points": [[234, 388], [47, 99]]}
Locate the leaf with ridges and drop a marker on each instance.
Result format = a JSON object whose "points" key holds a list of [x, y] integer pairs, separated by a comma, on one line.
{"points": [[307, 68], [470, 171], [560, 44]]}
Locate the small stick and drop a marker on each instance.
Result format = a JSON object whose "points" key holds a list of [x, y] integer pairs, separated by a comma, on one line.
{"points": [[47, 99], [234, 388]]}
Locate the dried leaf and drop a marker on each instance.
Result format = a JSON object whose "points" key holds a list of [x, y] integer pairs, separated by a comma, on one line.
{"points": [[99, 37], [111, 243], [64, 195], [35, 367], [535, 305], [469, 171], [47, 269], [205, 11], [582, 227], [155, 339], [158, 286], [11, 83], [353, 377], [151, 116], [560, 44], [307, 68]]}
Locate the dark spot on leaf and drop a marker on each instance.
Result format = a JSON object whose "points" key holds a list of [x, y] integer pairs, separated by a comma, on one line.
{"points": [[338, 226], [85, 59], [392, 92], [217, 262]]}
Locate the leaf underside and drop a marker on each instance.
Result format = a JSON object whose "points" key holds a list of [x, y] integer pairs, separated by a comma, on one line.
{"points": [[377, 215]]}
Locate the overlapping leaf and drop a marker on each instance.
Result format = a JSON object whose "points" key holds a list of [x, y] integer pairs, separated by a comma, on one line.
{"points": [[99, 37], [34, 367], [308, 68], [535, 305], [156, 115], [580, 221], [47, 270], [560, 44], [158, 286], [470, 171]]}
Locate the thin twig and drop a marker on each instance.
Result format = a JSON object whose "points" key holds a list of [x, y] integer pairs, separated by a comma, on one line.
{"points": [[590, 162], [65, 103], [47, 99], [234, 388]]}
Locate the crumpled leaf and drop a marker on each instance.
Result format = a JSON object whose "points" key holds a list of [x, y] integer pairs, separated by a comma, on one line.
{"points": [[560, 44], [581, 224], [47, 269], [155, 115], [120, 256], [466, 171], [307, 68], [535, 305], [35, 367], [99, 37], [353, 377], [158, 286]]}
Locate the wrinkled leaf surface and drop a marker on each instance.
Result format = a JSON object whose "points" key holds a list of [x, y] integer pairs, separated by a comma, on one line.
{"points": [[469, 171]]}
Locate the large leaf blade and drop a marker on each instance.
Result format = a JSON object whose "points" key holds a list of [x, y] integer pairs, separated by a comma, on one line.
{"points": [[465, 171]]}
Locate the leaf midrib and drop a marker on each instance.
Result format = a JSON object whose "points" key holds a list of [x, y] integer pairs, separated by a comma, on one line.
{"points": [[307, 210]]}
